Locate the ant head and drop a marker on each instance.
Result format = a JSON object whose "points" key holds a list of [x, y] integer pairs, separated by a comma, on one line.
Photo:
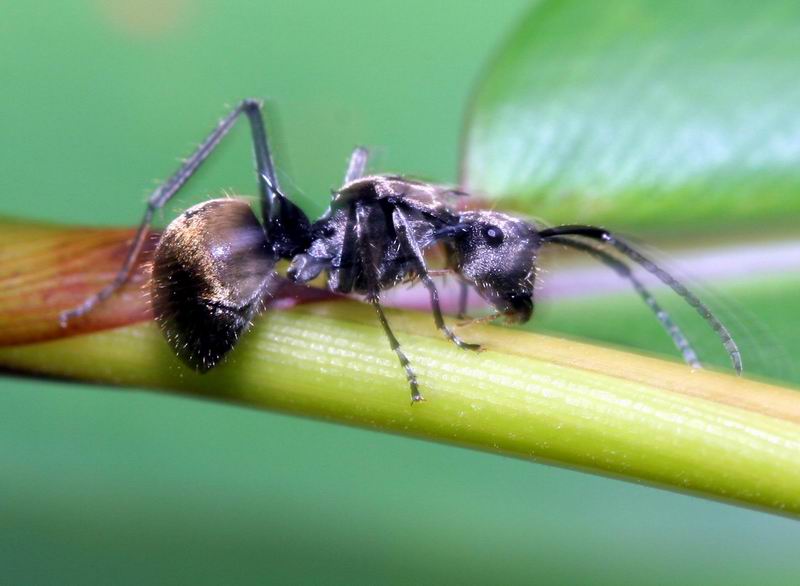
{"points": [[496, 254]]}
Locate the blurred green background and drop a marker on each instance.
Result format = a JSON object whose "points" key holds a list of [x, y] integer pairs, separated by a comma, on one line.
{"points": [[99, 100]]}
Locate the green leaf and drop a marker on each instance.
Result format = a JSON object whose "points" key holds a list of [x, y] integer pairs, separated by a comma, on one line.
{"points": [[663, 115]]}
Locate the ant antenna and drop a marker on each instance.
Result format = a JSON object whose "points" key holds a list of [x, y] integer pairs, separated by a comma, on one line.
{"points": [[678, 337], [604, 236]]}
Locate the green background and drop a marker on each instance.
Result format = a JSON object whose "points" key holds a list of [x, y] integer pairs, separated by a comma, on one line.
{"points": [[99, 99]]}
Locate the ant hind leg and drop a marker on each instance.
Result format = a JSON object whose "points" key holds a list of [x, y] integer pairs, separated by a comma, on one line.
{"points": [[268, 186]]}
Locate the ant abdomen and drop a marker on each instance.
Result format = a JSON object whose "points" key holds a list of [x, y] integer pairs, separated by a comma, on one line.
{"points": [[211, 269]]}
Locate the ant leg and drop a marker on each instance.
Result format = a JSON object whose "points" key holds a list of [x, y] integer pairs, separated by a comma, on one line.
{"points": [[357, 166], [463, 294], [403, 231], [416, 396], [606, 237], [343, 272], [678, 337], [463, 290], [268, 186], [370, 272]]}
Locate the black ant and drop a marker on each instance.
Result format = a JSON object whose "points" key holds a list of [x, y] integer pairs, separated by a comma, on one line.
{"points": [[216, 262]]}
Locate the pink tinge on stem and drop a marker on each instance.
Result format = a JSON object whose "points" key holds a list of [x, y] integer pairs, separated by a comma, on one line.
{"points": [[46, 270]]}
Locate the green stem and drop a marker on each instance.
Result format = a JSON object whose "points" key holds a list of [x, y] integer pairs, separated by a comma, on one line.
{"points": [[527, 395]]}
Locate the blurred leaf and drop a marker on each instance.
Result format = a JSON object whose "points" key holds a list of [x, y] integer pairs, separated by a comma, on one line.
{"points": [[663, 115]]}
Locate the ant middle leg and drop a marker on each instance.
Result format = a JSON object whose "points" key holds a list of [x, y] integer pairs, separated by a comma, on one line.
{"points": [[416, 396], [357, 166], [370, 273]]}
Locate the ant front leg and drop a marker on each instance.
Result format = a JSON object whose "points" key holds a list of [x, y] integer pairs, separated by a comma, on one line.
{"points": [[410, 246], [463, 291], [463, 295], [268, 186]]}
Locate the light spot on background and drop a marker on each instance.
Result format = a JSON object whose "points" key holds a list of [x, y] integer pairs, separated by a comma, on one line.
{"points": [[146, 18]]}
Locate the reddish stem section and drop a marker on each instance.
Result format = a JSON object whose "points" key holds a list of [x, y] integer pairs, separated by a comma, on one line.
{"points": [[45, 270]]}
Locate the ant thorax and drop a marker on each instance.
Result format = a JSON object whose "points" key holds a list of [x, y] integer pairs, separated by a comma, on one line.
{"points": [[374, 234]]}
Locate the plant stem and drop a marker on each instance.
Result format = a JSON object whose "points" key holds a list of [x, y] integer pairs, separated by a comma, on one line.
{"points": [[529, 396]]}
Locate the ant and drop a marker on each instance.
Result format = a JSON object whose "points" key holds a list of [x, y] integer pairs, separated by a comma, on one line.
{"points": [[215, 263]]}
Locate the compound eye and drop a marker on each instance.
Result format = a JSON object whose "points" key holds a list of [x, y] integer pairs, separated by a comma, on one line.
{"points": [[493, 235]]}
